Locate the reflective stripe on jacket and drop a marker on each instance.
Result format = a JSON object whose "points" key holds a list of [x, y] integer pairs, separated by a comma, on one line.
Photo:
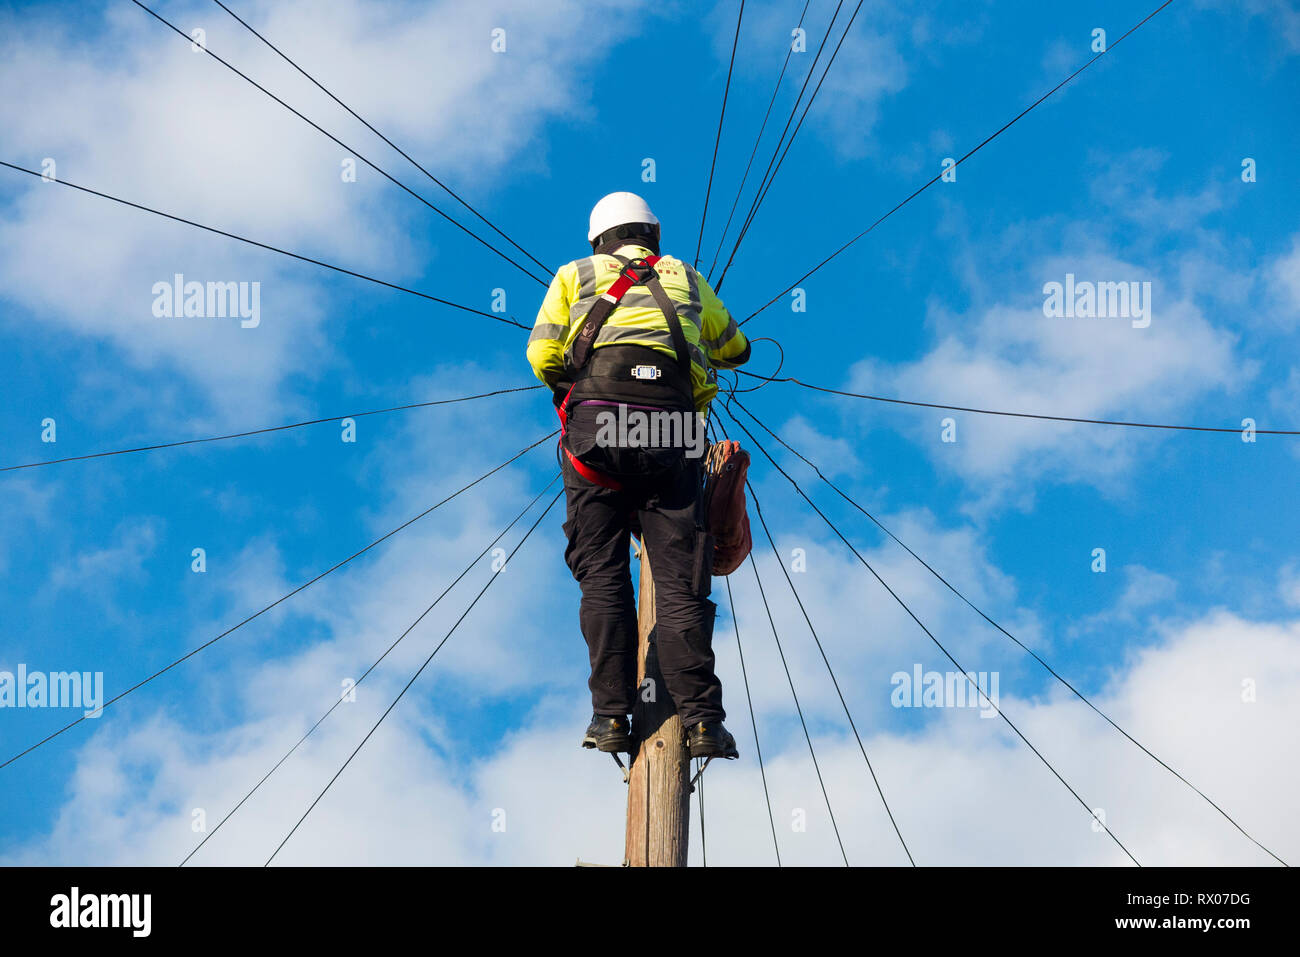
{"points": [[712, 335]]}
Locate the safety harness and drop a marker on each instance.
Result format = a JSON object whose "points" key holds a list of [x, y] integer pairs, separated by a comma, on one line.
{"points": [[635, 272]]}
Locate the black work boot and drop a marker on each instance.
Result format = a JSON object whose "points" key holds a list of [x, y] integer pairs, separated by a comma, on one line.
{"points": [[608, 734], [709, 739]]}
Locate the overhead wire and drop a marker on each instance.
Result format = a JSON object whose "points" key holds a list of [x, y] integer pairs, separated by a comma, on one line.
{"points": [[699, 794], [947, 654], [785, 665], [452, 193], [268, 247], [988, 139], [496, 573], [1050, 670], [753, 721], [714, 427], [375, 664], [388, 176], [734, 388], [798, 708], [257, 614], [812, 67], [794, 109], [726, 90], [274, 428], [1015, 415], [766, 188], [789, 52], [758, 509], [759, 198]]}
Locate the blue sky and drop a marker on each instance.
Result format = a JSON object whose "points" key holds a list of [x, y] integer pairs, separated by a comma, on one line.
{"points": [[1130, 173]]}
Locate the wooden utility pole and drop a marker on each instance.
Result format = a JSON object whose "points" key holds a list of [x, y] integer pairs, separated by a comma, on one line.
{"points": [[658, 797]]}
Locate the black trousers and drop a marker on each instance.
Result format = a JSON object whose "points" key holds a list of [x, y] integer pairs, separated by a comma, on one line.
{"points": [[598, 526]]}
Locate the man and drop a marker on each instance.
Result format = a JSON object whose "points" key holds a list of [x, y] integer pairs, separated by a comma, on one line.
{"points": [[627, 336]]}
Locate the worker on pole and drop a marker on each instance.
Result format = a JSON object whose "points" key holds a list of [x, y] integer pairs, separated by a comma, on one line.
{"points": [[627, 340]]}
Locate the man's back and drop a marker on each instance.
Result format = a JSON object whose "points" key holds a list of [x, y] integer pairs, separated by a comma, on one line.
{"points": [[627, 329], [712, 335]]}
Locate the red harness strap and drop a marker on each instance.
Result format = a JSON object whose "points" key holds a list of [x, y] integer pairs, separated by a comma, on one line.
{"points": [[586, 471], [608, 300], [624, 282]]}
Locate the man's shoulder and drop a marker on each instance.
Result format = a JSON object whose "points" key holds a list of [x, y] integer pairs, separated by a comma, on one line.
{"points": [[668, 261], [607, 262], [595, 260]]}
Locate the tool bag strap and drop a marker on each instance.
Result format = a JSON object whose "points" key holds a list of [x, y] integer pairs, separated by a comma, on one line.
{"points": [[635, 272]]}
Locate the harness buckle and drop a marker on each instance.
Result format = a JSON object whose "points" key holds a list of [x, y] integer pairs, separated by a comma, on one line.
{"points": [[638, 272]]}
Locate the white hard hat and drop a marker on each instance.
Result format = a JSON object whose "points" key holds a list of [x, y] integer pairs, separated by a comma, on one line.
{"points": [[617, 209]]}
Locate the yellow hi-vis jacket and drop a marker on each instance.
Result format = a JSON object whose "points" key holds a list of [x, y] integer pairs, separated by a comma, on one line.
{"points": [[712, 335]]}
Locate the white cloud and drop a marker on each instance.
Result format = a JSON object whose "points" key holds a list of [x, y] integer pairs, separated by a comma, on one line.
{"points": [[1284, 280], [868, 69], [834, 456], [1009, 356], [1281, 16], [1128, 186], [425, 788], [136, 542], [963, 790], [31, 507], [166, 127], [1144, 590], [1288, 585]]}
